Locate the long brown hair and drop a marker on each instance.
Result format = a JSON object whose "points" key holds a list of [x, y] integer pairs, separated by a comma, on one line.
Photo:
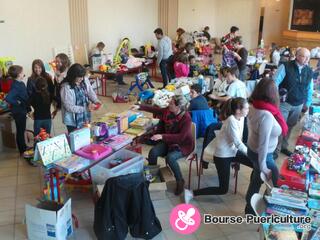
{"points": [[43, 73], [64, 60], [231, 106], [42, 88], [266, 90]]}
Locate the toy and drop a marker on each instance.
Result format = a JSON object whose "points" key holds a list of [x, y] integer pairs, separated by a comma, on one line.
{"points": [[142, 79], [42, 136], [123, 51], [94, 151], [5, 63]]}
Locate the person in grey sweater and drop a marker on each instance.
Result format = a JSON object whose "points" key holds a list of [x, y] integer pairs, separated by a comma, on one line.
{"points": [[164, 54], [78, 98], [265, 123]]}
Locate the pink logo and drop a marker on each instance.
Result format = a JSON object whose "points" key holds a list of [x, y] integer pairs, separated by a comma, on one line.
{"points": [[185, 219]]}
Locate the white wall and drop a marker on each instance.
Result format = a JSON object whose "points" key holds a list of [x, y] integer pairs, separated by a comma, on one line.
{"points": [[32, 29], [276, 18], [110, 21], [220, 15]]}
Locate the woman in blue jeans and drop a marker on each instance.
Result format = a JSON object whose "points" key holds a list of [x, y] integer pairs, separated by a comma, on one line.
{"points": [[265, 123], [41, 100]]}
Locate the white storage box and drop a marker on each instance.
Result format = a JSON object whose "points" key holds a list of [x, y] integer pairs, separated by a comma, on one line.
{"points": [[49, 225], [102, 171]]}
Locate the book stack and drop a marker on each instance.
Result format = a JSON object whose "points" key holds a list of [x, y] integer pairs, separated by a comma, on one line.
{"points": [[118, 141], [287, 201], [141, 123], [72, 164]]}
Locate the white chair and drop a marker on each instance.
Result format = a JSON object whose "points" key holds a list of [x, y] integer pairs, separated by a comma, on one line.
{"points": [[67, 50], [258, 204]]}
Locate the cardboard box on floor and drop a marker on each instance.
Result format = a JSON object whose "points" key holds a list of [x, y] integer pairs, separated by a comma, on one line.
{"points": [[7, 129], [165, 176], [49, 224]]}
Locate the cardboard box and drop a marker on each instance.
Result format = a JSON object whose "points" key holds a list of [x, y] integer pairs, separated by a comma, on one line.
{"points": [[166, 174], [8, 139], [6, 123], [49, 224]]}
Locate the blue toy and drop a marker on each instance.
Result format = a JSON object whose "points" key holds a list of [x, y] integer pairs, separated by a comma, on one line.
{"points": [[141, 79]]}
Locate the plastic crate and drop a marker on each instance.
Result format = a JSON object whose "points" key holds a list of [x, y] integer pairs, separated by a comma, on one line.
{"points": [[102, 171]]}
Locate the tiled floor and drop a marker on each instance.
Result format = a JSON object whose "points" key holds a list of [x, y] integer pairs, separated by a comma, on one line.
{"points": [[20, 184]]}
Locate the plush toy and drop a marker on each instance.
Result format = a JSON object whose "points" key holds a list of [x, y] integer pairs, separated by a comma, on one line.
{"points": [[42, 136], [5, 63]]}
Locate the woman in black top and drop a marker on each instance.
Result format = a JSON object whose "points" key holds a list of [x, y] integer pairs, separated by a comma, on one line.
{"points": [[241, 56], [40, 101]]}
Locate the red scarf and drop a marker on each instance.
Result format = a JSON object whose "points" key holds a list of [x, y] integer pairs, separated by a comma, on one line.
{"points": [[262, 105]]}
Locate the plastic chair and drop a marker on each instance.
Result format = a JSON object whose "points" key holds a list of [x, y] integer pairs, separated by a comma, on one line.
{"points": [[193, 156], [258, 204], [141, 79]]}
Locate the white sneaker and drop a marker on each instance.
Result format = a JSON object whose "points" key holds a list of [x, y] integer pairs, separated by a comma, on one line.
{"points": [[188, 195]]}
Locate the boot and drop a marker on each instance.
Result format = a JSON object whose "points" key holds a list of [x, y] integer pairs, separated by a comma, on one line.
{"points": [[180, 187]]}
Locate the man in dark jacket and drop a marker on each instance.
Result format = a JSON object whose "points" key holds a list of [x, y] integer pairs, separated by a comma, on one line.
{"points": [[296, 77]]}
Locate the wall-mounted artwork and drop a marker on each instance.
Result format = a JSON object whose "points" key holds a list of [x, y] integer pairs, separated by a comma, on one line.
{"points": [[302, 17], [305, 15]]}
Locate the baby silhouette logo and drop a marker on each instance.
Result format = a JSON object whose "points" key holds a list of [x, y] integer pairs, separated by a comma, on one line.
{"points": [[185, 219]]}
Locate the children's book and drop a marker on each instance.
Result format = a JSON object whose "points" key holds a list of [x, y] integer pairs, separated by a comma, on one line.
{"points": [[72, 164], [135, 131], [79, 139], [292, 196], [52, 150], [118, 141], [283, 210], [278, 201], [142, 122]]}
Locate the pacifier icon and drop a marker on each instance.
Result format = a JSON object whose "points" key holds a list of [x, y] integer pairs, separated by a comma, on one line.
{"points": [[185, 218]]}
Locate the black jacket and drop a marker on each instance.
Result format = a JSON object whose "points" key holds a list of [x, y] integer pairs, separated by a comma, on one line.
{"points": [[297, 84], [125, 203]]}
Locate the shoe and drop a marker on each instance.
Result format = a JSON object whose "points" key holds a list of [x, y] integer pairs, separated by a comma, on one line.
{"points": [[286, 152], [188, 195], [205, 164], [179, 188]]}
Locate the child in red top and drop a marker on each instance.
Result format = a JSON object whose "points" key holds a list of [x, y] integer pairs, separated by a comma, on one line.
{"points": [[181, 66]]}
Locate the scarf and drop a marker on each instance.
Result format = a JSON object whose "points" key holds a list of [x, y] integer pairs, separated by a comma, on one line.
{"points": [[82, 100], [262, 105]]}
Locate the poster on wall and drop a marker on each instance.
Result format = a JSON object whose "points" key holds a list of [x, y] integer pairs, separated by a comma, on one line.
{"points": [[302, 17], [305, 15]]}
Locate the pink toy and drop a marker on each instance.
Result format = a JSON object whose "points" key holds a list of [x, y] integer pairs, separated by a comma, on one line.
{"points": [[94, 151]]}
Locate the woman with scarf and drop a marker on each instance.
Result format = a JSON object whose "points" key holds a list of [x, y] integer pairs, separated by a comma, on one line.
{"points": [[77, 97], [265, 123]]}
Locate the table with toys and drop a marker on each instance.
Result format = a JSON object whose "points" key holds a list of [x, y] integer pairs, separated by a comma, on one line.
{"points": [[105, 148]]}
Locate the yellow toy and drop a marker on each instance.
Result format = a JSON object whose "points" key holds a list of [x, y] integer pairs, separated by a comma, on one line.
{"points": [[170, 88], [5, 63], [123, 51]]}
